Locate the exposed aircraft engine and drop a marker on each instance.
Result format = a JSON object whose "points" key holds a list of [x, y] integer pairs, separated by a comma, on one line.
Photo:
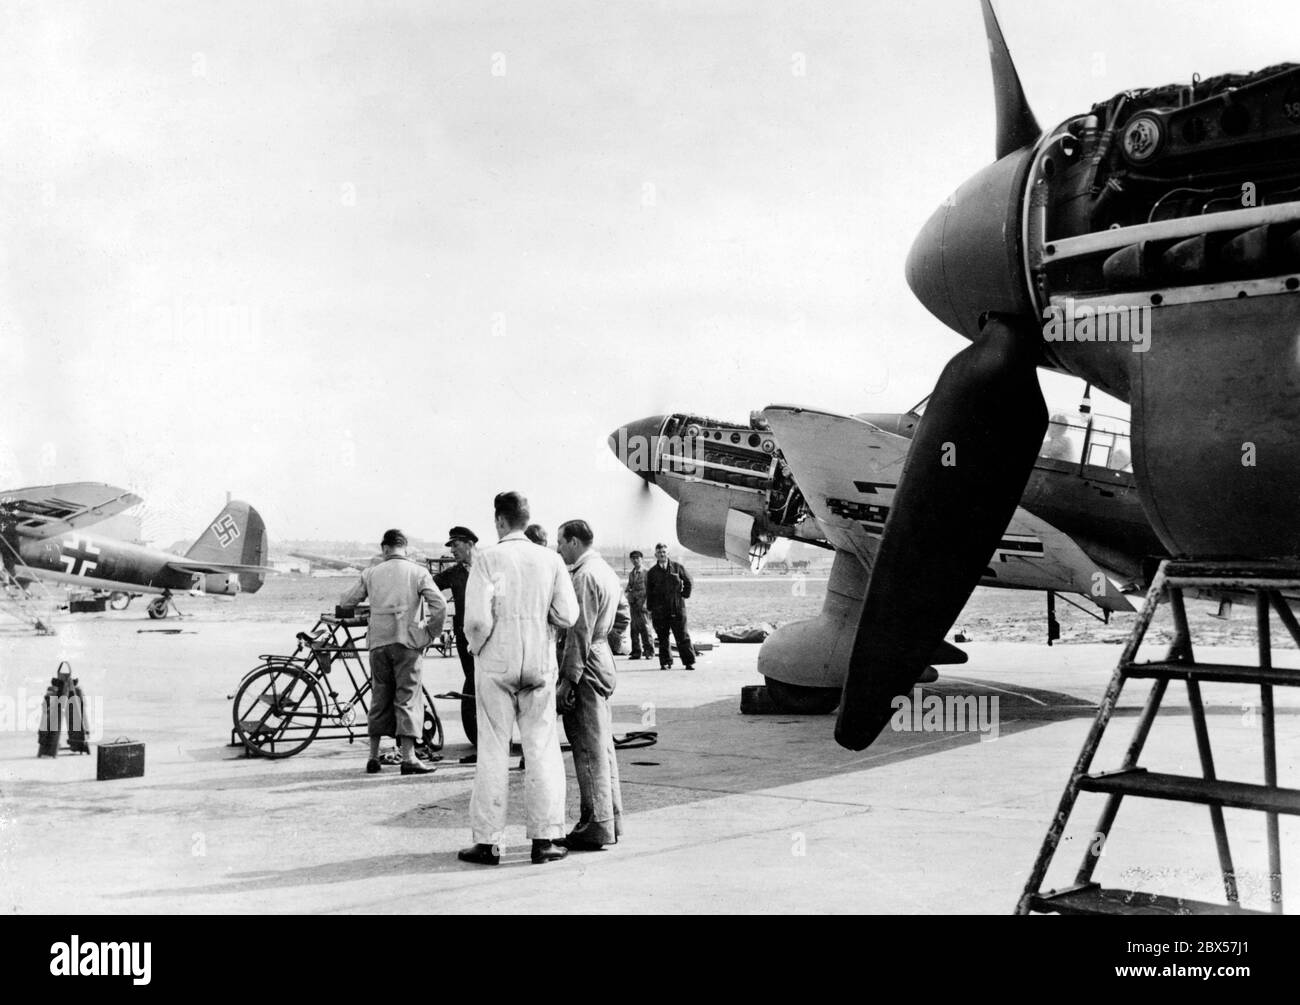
{"points": [[734, 490], [1163, 228], [1222, 144]]}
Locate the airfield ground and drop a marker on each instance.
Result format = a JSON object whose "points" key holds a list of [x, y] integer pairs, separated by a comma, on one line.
{"points": [[727, 813]]}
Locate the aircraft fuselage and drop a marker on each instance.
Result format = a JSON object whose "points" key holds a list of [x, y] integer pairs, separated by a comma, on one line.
{"points": [[78, 559]]}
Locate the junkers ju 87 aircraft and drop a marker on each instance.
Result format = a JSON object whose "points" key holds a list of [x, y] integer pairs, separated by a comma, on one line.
{"points": [[43, 537], [1174, 208], [830, 480]]}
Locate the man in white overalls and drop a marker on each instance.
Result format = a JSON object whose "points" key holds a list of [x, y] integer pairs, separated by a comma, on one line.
{"points": [[517, 596]]}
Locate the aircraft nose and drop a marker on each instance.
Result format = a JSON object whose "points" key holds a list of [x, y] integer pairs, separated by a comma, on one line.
{"points": [[633, 444], [966, 259]]}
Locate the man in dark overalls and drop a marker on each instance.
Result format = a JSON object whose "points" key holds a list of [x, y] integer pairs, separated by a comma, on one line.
{"points": [[461, 541], [667, 585]]}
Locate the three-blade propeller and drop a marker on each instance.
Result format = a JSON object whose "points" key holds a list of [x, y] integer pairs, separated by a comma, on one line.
{"points": [[967, 467], [1017, 126]]}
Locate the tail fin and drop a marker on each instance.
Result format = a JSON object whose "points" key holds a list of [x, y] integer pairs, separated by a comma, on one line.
{"points": [[236, 537]]}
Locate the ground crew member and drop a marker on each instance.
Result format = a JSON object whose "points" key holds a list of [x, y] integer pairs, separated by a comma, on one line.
{"points": [[517, 596], [396, 636], [587, 681], [635, 594], [461, 541], [667, 585]]}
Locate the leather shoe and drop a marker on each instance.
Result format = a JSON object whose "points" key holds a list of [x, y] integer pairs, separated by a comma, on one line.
{"points": [[416, 768], [548, 851], [575, 843], [372, 766], [481, 854]]}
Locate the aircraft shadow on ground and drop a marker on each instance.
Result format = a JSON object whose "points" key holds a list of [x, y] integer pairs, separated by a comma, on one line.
{"points": [[705, 751]]}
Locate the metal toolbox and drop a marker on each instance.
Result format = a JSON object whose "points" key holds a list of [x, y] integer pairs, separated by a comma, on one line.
{"points": [[120, 759]]}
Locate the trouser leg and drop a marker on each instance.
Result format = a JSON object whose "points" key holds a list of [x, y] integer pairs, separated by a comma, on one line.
{"points": [[640, 637], [683, 639], [495, 713], [591, 721], [645, 632], [661, 633], [615, 789], [381, 719], [544, 778], [466, 663], [408, 698], [468, 711], [576, 736]]}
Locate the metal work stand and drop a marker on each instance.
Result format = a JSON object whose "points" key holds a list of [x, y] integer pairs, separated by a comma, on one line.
{"points": [[17, 597], [1266, 581]]}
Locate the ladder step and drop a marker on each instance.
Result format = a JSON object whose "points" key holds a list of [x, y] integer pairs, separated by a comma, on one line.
{"points": [[1185, 788], [1217, 673], [1283, 575], [1093, 899]]}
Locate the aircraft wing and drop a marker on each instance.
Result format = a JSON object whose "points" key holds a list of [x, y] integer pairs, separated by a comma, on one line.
{"points": [[1034, 555], [49, 510], [337, 563], [847, 470]]}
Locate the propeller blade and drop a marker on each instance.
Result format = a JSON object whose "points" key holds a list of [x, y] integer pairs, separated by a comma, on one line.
{"points": [[965, 472], [1017, 126]]}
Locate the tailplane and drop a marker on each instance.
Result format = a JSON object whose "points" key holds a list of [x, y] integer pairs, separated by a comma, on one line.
{"points": [[236, 537]]}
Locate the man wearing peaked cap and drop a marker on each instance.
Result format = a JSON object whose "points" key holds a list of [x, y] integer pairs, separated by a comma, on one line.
{"points": [[461, 541]]}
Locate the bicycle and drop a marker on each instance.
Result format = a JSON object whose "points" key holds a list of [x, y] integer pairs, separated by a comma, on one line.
{"points": [[285, 702]]}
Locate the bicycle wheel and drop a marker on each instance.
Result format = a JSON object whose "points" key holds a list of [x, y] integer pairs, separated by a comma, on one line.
{"points": [[432, 734], [278, 710]]}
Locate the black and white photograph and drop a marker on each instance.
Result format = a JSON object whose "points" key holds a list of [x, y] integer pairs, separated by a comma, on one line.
{"points": [[678, 457]]}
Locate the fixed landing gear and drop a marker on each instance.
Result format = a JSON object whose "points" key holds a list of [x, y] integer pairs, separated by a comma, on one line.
{"points": [[160, 607]]}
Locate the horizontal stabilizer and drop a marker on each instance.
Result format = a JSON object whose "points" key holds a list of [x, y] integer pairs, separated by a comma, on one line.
{"points": [[183, 565]]}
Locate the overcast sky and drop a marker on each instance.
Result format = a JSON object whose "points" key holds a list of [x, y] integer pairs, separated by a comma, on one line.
{"points": [[367, 264]]}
